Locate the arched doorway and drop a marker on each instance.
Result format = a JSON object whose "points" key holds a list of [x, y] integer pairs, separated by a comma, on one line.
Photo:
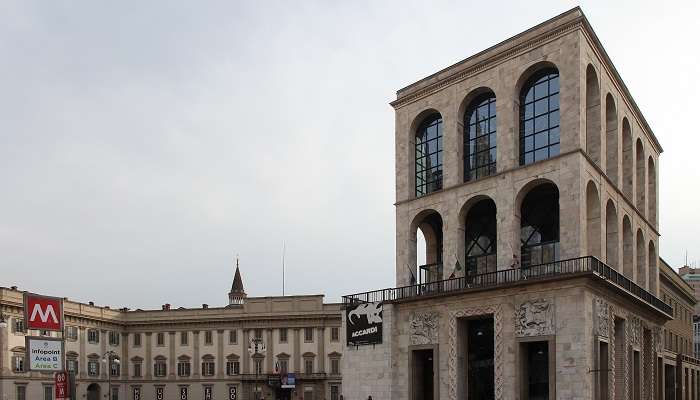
{"points": [[93, 392], [539, 226], [428, 231]]}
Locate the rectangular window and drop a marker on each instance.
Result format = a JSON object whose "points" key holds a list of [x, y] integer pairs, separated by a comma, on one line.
{"points": [[183, 368], [18, 363], [137, 339], [335, 366], [115, 368], [335, 334], [335, 392], [184, 337], [208, 337], [48, 392], [259, 366], [21, 393], [308, 334], [308, 366], [159, 369], [93, 336], [137, 370], [160, 339], [308, 393], [93, 367], [208, 368], [284, 365], [114, 338], [18, 327], [233, 368], [72, 332], [115, 393], [232, 336], [72, 365], [283, 335]]}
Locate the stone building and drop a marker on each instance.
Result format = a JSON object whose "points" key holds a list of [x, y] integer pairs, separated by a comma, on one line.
{"points": [[532, 175], [207, 352], [680, 365], [692, 276]]}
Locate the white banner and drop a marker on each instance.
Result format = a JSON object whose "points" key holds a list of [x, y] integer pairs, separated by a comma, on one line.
{"points": [[44, 354]]}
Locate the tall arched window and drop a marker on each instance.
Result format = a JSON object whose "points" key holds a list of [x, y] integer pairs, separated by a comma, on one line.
{"points": [[429, 156], [539, 225], [480, 238], [480, 137], [539, 117]]}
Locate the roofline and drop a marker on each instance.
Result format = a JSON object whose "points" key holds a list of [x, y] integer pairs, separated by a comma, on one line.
{"points": [[588, 29], [690, 291]]}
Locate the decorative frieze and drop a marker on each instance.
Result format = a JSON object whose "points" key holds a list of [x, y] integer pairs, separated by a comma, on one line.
{"points": [[424, 328], [534, 318], [634, 327], [602, 317]]}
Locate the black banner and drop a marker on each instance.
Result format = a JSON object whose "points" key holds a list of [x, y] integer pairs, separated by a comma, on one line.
{"points": [[363, 324]]}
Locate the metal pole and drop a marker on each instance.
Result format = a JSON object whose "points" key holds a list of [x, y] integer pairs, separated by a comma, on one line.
{"points": [[109, 376]]}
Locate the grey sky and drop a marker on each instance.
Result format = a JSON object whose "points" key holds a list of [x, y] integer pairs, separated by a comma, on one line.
{"points": [[144, 144]]}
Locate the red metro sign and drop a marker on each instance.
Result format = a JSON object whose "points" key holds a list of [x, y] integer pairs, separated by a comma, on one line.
{"points": [[43, 312]]}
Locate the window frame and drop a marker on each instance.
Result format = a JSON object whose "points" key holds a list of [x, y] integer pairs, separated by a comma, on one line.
{"points": [[551, 131], [428, 178], [471, 150]]}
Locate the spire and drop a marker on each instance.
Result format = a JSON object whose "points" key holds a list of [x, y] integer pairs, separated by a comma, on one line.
{"points": [[237, 294]]}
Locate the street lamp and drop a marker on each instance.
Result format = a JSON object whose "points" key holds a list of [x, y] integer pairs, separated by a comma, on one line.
{"points": [[109, 358]]}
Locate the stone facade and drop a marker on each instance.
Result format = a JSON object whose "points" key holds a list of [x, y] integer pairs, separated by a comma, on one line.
{"points": [[293, 329], [592, 307]]}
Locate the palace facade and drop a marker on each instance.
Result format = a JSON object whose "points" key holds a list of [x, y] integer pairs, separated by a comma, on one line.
{"points": [[245, 350]]}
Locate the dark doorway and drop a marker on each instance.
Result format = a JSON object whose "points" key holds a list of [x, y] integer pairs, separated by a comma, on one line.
{"points": [[423, 375], [670, 382], [480, 347], [93, 392], [535, 370]]}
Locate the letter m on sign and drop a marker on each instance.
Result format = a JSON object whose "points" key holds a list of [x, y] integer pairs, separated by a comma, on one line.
{"points": [[42, 312]]}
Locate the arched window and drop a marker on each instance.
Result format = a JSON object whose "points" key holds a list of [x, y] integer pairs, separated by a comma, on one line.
{"points": [[592, 114], [480, 238], [480, 138], [593, 220], [429, 156], [612, 238], [539, 226], [429, 256], [539, 117]]}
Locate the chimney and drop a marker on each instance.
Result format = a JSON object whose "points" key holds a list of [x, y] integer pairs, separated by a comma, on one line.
{"points": [[205, 306], [92, 303], [166, 307], [13, 287]]}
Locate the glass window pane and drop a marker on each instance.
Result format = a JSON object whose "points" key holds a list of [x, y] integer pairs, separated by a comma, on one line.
{"points": [[541, 154], [541, 123], [554, 84], [541, 90], [541, 106], [541, 140]]}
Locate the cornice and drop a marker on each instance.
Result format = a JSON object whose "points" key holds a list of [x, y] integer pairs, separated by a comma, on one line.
{"points": [[498, 58]]}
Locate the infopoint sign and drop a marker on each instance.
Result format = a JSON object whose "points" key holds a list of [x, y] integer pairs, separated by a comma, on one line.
{"points": [[43, 312], [44, 354]]}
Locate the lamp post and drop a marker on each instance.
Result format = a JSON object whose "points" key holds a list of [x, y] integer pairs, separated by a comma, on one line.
{"points": [[3, 324], [109, 358], [256, 348]]}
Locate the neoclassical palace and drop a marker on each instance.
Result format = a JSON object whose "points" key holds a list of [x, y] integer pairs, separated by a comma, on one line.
{"points": [[532, 175], [240, 351]]}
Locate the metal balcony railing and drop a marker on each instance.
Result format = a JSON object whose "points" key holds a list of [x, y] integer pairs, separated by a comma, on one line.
{"points": [[575, 266]]}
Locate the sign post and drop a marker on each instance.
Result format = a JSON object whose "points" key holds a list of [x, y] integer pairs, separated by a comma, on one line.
{"points": [[61, 388]]}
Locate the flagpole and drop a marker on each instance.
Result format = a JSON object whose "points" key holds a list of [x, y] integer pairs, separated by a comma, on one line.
{"points": [[284, 247]]}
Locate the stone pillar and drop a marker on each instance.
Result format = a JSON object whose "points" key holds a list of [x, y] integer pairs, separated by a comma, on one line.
{"points": [[452, 243], [451, 143], [270, 346], [507, 126], [507, 226], [171, 356], [125, 356], [296, 351], [405, 247], [149, 359], [321, 349], [103, 349], [245, 367], [219, 353], [195, 358]]}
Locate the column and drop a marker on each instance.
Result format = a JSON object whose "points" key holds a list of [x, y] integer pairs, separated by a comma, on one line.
{"points": [[125, 356], [507, 226], [195, 358], [82, 363], [270, 346], [171, 356], [104, 369], [452, 145], [220, 353], [245, 366], [149, 359], [321, 349], [297, 349]]}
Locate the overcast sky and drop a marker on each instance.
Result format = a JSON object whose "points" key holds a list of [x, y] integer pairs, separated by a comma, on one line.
{"points": [[144, 144]]}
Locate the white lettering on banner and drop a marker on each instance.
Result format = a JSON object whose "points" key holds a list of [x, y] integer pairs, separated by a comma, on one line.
{"points": [[365, 332], [44, 316]]}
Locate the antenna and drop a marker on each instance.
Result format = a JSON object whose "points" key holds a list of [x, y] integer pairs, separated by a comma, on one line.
{"points": [[284, 248]]}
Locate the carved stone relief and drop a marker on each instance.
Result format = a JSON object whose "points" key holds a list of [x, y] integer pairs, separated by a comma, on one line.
{"points": [[534, 318], [603, 317], [424, 328], [635, 327]]}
